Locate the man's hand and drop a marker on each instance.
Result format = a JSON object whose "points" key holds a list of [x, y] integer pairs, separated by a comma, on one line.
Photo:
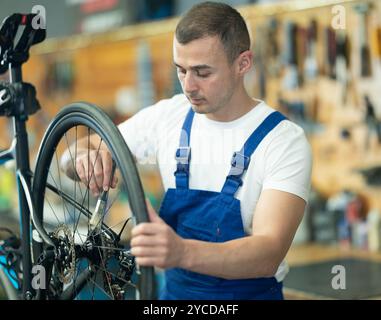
{"points": [[93, 167], [156, 244]]}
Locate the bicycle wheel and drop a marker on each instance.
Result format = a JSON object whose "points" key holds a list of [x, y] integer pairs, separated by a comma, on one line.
{"points": [[92, 261]]}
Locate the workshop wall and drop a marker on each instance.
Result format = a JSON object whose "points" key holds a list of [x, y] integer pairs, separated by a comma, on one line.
{"points": [[326, 94]]}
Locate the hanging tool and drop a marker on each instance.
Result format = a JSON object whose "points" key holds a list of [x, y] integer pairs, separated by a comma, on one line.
{"points": [[310, 63], [291, 79], [342, 63], [362, 9], [371, 121], [330, 37]]}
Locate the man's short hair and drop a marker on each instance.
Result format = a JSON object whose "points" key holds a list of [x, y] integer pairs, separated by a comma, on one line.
{"points": [[215, 19]]}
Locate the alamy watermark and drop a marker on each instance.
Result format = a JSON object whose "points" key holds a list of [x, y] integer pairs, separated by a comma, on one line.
{"points": [[39, 277], [338, 21], [339, 281], [39, 21]]}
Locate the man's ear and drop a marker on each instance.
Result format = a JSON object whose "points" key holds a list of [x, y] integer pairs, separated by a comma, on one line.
{"points": [[245, 61]]}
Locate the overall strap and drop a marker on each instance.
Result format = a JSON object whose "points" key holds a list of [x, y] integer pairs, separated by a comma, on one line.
{"points": [[240, 160], [183, 153]]}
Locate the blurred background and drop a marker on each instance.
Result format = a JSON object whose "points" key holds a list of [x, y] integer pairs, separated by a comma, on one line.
{"points": [[317, 61]]}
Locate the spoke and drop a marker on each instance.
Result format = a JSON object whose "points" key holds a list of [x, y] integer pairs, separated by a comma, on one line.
{"points": [[60, 193], [110, 248], [107, 279], [52, 209], [121, 279], [72, 160], [96, 284], [82, 209], [60, 182], [59, 222], [106, 229], [69, 199], [75, 170], [75, 182], [82, 234], [64, 197], [109, 228], [113, 201]]}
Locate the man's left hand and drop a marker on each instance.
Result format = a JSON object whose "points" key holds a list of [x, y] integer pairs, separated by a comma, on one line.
{"points": [[156, 244]]}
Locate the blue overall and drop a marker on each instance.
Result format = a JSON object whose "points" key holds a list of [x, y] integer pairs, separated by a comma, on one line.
{"points": [[214, 217]]}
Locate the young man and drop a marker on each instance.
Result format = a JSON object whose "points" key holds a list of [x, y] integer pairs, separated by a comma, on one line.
{"points": [[226, 223]]}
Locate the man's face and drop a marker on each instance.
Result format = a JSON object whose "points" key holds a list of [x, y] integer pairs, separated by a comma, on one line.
{"points": [[206, 77]]}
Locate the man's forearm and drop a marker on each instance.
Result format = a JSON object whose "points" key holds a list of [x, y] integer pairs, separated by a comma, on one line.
{"points": [[248, 257]]}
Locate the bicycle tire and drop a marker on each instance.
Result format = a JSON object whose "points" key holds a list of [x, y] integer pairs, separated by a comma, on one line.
{"points": [[92, 117]]}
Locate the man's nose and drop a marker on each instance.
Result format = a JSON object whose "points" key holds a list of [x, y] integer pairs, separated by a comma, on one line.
{"points": [[189, 83]]}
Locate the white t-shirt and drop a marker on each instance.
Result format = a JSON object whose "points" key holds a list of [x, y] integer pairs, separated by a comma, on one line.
{"points": [[282, 160]]}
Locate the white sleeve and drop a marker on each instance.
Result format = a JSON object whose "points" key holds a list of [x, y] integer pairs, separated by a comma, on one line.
{"points": [[288, 162], [139, 132]]}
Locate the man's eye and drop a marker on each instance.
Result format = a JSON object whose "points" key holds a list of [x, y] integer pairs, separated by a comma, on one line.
{"points": [[182, 71], [203, 75]]}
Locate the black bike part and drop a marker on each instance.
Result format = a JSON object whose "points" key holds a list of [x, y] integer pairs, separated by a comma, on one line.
{"points": [[89, 116], [15, 54], [18, 99]]}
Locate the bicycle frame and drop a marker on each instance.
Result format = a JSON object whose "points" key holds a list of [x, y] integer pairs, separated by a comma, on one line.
{"points": [[23, 104], [19, 151]]}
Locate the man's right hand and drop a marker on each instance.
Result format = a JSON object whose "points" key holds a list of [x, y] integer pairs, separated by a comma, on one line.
{"points": [[94, 169]]}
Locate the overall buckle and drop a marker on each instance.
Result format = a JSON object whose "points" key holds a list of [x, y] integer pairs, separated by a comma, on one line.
{"points": [[240, 162], [183, 155]]}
